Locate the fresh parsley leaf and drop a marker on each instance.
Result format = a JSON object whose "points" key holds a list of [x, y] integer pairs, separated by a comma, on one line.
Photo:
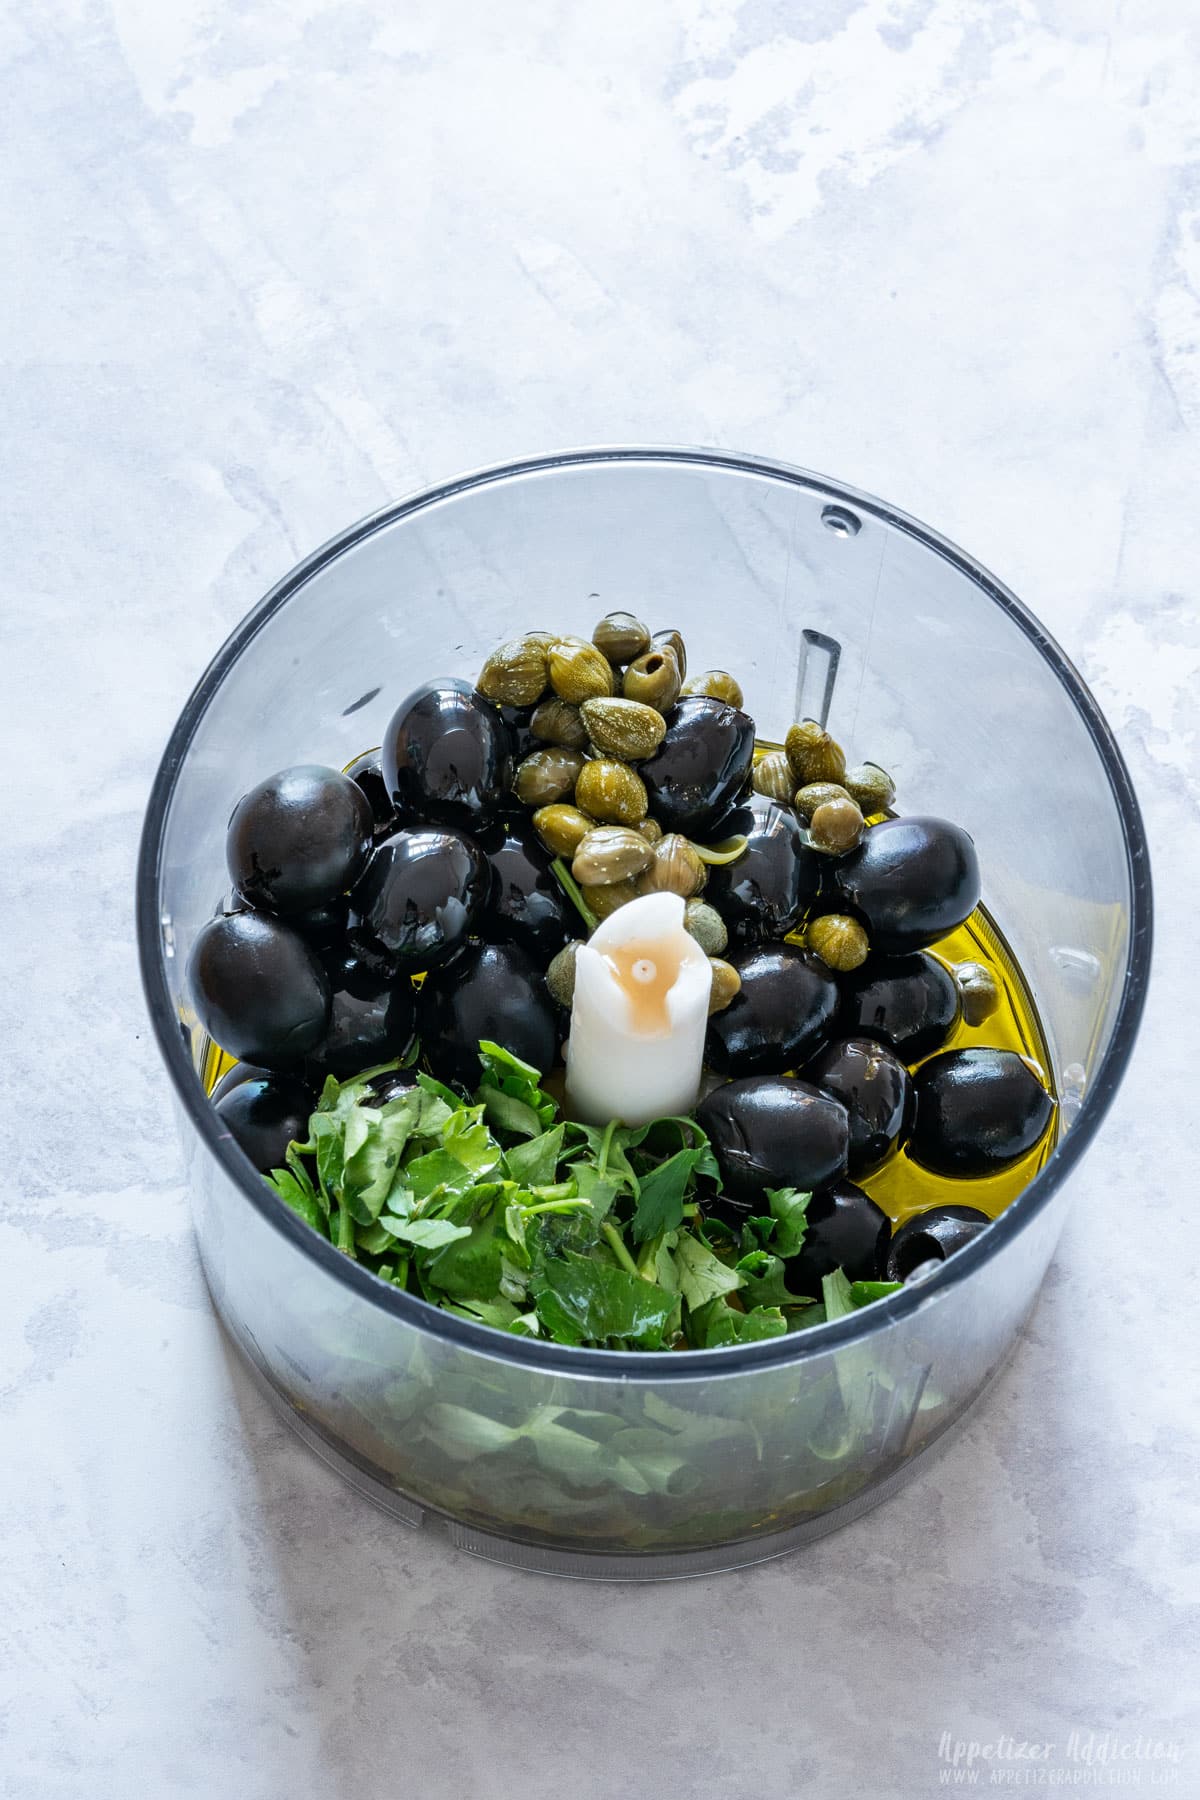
{"points": [[425, 1234], [835, 1290], [702, 1276], [660, 1201], [580, 1299], [533, 1163], [719, 1323], [299, 1195], [506, 1074], [766, 1281], [788, 1207], [863, 1292]]}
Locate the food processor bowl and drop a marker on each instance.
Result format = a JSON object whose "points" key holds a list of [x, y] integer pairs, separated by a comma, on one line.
{"points": [[825, 603]]}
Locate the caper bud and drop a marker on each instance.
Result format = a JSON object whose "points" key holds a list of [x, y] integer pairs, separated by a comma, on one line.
{"points": [[815, 794], [515, 674], [547, 776], [773, 777], [560, 976], [621, 637], [545, 640], [556, 721], [835, 827], [654, 679], [726, 983], [610, 853], [578, 671], [676, 868], [871, 786], [605, 900], [672, 640], [562, 828], [839, 941], [813, 754], [612, 792], [979, 990], [707, 926], [651, 830], [624, 728], [717, 685]]}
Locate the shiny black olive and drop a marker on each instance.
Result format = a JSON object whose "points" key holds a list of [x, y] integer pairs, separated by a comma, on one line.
{"points": [[978, 1111], [447, 755], [370, 1022], [701, 766], [423, 892], [264, 1115], [322, 925], [909, 1002], [298, 839], [844, 1230], [521, 739], [780, 1016], [932, 1236], [232, 1078], [527, 905], [391, 1086], [366, 772], [910, 881], [258, 990], [766, 892], [493, 991], [772, 1131], [876, 1090]]}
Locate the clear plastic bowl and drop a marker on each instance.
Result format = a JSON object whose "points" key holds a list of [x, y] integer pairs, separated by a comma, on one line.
{"points": [[601, 1463]]}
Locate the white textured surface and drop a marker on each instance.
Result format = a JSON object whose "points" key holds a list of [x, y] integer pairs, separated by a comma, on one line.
{"points": [[267, 266]]}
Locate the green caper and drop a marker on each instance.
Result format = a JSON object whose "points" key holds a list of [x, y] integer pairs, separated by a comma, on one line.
{"points": [[546, 776], [871, 786], [839, 941], [676, 868], [707, 926], [773, 777], [578, 671], [515, 674], [556, 721], [726, 983], [654, 679], [717, 685], [979, 991], [651, 830], [621, 637], [610, 853], [816, 793], [673, 640], [623, 728], [562, 828], [560, 976], [605, 900], [545, 640], [835, 827], [611, 792], [813, 754]]}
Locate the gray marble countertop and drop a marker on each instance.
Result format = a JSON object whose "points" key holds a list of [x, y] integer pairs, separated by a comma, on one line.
{"points": [[269, 266]]}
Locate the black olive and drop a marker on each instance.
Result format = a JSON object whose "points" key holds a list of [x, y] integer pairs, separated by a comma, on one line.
{"points": [[780, 1016], [232, 1078], [701, 766], [932, 1236], [298, 839], [258, 990], [527, 905], [324, 925], [843, 1230], [521, 739], [264, 1115], [366, 772], [876, 1090], [391, 1086], [423, 892], [493, 991], [447, 755], [771, 1132], [766, 892], [909, 1002], [910, 882], [978, 1111], [370, 1022]]}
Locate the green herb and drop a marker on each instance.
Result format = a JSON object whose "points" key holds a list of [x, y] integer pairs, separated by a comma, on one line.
{"points": [[493, 1207]]}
